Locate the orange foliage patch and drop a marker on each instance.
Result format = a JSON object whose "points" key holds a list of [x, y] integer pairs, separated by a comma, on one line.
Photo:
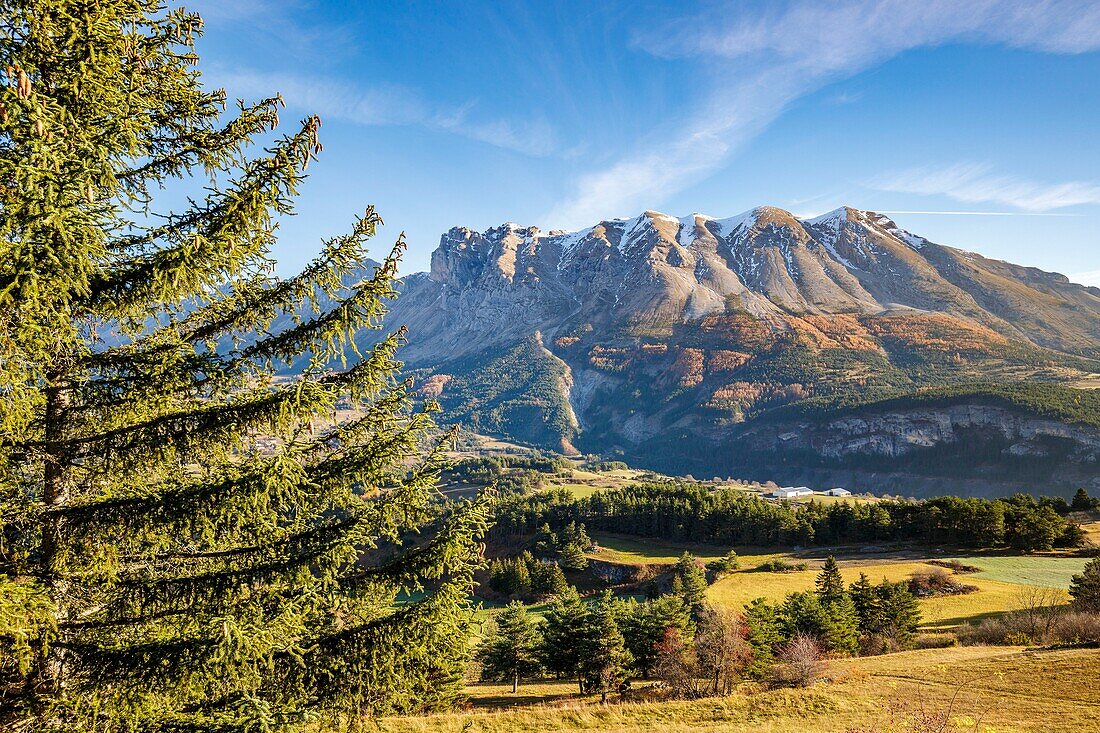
{"points": [[743, 396], [739, 328], [609, 358], [840, 330], [688, 367], [433, 385], [936, 331], [721, 360], [564, 342]]}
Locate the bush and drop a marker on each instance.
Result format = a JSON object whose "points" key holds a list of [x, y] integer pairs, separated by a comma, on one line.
{"points": [[937, 582], [1018, 628], [956, 566], [724, 565], [779, 565], [935, 641], [800, 661]]}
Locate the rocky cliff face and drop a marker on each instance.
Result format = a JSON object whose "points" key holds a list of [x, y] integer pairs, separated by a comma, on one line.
{"points": [[658, 326], [988, 448]]}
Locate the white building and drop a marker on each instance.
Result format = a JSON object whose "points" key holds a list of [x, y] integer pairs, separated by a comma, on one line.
{"points": [[792, 492], [837, 492]]}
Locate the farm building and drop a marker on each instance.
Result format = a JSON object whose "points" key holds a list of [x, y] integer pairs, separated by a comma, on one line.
{"points": [[792, 492], [837, 492]]}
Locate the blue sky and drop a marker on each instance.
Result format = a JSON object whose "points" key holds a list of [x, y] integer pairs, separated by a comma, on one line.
{"points": [[561, 114]]}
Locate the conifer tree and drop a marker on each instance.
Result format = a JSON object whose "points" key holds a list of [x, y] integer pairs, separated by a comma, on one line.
{"points": [[692, 585], [646, 625], [900, 613], [605, 661], [181, 533], [573, 557], [763, 636], [564, 634], [1082, 502], [509, 650], [547, 579], [865, 598], [829, 582], [1085, 587]]}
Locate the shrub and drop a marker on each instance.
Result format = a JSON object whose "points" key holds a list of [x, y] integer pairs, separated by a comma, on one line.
{"points": [[724, 565], [935, 641], [956, 566], [779, 565], [800, 661], [938, 582], [1078, 627], [1018, 628]]}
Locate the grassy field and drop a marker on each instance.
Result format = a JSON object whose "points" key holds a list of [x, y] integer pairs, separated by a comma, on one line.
{"points": [[992, 596], [630, 551], [985, 689], [581, 483], [1051, 572], [1001, 583]]}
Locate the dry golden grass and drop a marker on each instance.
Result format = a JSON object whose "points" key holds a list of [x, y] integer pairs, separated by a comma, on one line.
{"points": [[997, 689]]}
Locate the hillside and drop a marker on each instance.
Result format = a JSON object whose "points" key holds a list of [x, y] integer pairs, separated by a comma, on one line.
{"points": [[980, 688], [665, 340]]}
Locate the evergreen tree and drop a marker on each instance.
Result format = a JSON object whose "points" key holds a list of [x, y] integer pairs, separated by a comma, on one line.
{"points": [[574, 534], [564, 635], [692, 585], [509, 576], [644, 628], [1085, 588], [763, 635], [829, 582], [1082, 502], [573, 557], [181, 534], [865, 598], [545, 542], [803, 613], [899, 615], [510, 649], [547, 579], [605, 662], [842, 627], [834, 625]]}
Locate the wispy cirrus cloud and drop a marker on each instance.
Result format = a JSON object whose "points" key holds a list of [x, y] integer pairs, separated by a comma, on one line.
{"points": [[762, 57], [953, 212], [978, 183], [388, 104]]}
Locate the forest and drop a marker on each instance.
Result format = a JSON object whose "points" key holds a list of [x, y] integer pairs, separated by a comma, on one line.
{"points": [[728, 516]]}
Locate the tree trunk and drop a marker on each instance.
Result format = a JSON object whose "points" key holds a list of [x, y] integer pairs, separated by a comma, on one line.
{"points": [[515, 683], [55, 493]]}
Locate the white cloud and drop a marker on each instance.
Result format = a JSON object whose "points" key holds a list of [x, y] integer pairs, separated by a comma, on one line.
{"points": [[976, 183], [1087, 278], [385, 105], [763, 57]]}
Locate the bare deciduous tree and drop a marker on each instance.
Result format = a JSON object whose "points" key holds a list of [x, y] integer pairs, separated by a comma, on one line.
{"points": [[800, 660]]}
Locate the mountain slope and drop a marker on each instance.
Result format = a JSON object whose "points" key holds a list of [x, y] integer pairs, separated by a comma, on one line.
{"points": [[657, 329]]}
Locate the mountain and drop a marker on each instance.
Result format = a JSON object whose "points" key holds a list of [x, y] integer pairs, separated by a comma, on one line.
{"points": [[676, 341]]}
